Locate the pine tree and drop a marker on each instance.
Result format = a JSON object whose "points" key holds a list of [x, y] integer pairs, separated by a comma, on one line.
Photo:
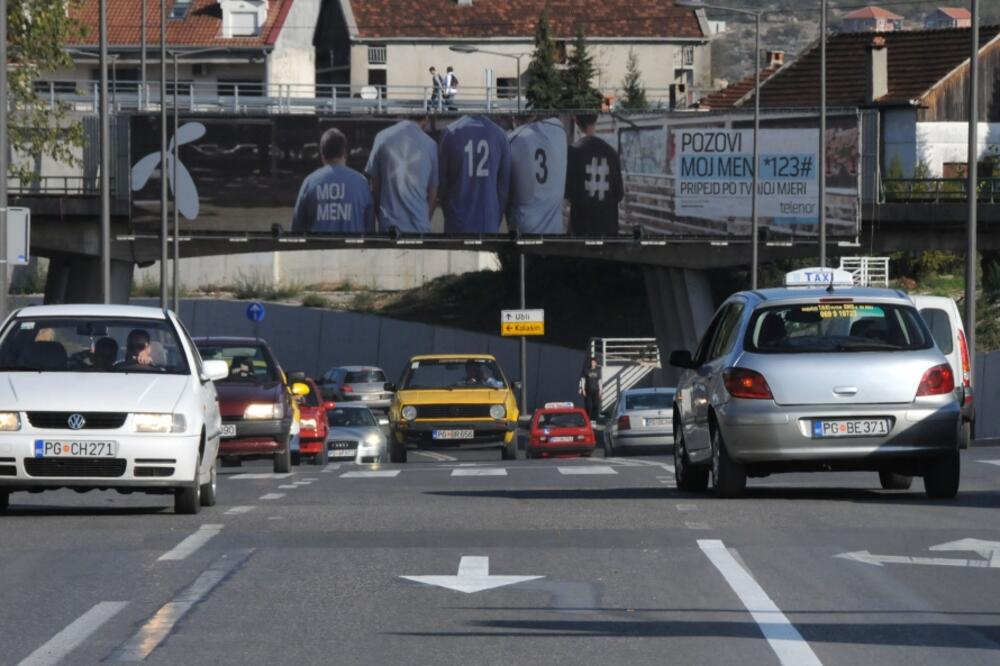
{"points": [[578, 91], [544, 83], [635, 92]]}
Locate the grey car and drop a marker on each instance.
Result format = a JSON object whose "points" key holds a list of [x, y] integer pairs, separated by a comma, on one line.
{"points": [[354, 435], [813, 380], [642, 418], [356, 383]]}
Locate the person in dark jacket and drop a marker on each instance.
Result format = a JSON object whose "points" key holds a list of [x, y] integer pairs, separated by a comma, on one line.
{"points": [[594, 183], [590, 389]]}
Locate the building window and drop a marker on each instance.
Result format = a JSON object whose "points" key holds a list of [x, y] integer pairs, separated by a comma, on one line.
{"points": [[180, 9], [507, 87], [377, 54], [244, 24], [688, 56]]}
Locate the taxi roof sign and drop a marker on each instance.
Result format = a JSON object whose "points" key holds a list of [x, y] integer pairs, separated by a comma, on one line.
{"points": [[819, 277]]}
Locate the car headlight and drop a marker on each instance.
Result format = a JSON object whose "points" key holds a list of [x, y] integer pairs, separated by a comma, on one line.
{"points": [[409, 412], [372, 440], [497, 411], [10, 421], [309, 424], [262, 410], [155, 422]]}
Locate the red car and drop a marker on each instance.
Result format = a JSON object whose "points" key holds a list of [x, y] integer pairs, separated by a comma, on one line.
{"points": [[560, 429], [312, 423]]}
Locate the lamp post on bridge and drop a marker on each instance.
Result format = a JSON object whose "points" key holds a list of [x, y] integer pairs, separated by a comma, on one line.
{"points": [[464, 48]]}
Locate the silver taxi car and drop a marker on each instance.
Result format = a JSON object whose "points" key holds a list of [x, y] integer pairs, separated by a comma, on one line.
{"points": [[816, 379]]}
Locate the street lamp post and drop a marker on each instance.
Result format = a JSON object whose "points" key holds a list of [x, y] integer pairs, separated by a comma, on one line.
{"points": [[971, 251], [462, 48], [163, 154], [105, 156], [822, 134], [755, 173]]}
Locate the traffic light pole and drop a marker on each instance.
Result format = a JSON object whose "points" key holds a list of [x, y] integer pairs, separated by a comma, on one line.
{"points": [[524, 340]]}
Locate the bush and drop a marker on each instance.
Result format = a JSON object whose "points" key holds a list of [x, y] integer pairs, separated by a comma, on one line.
{"points": [[315, 301], [254, 286], [363, 301], [146, 287]]}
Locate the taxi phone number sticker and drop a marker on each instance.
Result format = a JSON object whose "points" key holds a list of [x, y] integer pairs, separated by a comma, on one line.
{"points": [[70, 449], [846, 310]]}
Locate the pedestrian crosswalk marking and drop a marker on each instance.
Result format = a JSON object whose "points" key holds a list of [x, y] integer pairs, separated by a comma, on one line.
{"points": [[479, 471], [371, 474], [596, 469]]}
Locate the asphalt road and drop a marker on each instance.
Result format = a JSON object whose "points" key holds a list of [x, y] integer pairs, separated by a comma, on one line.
{"points": [[307, 569]]}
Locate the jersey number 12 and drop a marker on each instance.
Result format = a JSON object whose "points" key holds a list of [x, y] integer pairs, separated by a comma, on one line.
{"points": [[482, 149]]}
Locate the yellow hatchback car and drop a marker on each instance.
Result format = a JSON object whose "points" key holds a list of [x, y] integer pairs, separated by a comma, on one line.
{"points": [[453, 401]]}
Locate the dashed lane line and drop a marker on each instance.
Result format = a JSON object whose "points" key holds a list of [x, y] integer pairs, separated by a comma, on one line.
{"points": [[686, 507], [272, 496], [290, 486], [237, 510], [781, 635], [255, 476], [159, 626], [692, 525], [57, 648], [596, 469], [479, 471], [191, 543]]}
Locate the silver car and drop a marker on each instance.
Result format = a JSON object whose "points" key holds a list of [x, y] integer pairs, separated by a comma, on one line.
{"points": [[354, 435], [812, 380], [356, 383], [641, 419]]}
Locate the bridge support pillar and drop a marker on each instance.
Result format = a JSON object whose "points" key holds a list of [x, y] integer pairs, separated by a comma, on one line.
{"points": [[75, 278], [681, 307]]}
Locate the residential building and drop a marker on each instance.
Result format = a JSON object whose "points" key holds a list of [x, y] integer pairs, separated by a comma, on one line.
{"points": [[871, 19], [948, 17]]}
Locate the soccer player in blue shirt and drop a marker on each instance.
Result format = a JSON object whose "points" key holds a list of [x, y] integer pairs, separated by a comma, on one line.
{"points": [[474, 160], [334, 198]]}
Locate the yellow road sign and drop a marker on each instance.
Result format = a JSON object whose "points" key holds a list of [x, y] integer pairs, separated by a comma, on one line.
{"points": [[519, 328]]}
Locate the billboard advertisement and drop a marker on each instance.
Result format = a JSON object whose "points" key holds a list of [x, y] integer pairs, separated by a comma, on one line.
{"points": [[479, 176]]}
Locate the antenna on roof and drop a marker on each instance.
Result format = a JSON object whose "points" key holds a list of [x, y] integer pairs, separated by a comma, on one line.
{"points": [[829, 288]]}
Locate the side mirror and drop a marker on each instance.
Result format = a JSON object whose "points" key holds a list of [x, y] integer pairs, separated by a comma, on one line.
{"points": [[681, 358], [214, 370], [516, 385], [298, 389], [389, 386], [329, 405]]}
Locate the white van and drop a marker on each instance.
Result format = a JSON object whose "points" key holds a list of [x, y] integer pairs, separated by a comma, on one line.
{"points": [[945, 321]]}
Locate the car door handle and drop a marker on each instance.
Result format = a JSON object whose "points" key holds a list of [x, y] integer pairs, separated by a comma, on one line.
{"points": [[845, 390]]}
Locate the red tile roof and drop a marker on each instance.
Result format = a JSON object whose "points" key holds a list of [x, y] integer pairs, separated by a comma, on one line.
{"points": [[734, 92], [918, 60], [872, 12], [387, 19], [957, 13], [202, 26]]}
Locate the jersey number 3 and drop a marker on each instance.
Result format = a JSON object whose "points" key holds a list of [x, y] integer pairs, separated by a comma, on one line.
{"points": [[482, 149], [542, 172]]}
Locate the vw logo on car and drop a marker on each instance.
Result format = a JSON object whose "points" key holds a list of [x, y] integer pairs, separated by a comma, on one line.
{"points": [[76, 421]]}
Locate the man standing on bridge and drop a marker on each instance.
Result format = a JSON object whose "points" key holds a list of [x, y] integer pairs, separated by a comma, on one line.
{"points": [[593, 182], [334, 198]]}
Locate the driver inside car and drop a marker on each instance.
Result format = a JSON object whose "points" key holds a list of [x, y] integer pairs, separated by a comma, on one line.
{"points": [[138, 352]]}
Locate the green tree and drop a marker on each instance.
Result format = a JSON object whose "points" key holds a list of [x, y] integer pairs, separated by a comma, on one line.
{"points": [[578, 89], [544, 83], [635, 92], [37, 33]]}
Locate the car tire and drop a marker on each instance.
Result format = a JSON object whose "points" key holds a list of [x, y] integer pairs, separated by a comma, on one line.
{"points": [[4, 501], [729, 478], [208, 494], [283, 460], [965, 435], [187, 499], [509, 450], [942, 477], [609, 448], [323, 457], [397, 452], [893, 481], [688, 477]]}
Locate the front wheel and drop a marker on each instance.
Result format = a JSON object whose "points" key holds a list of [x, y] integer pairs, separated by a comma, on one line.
{"points": [[187, 500], [941, 478], [397, 451], [965, 435], [893, 481], [729, 478], [688, 477], [509, 450], [283, 460], [323, 457], [208, 496]]}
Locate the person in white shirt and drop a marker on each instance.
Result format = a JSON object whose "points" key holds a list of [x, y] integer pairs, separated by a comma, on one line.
{"points": [[450, 88]]}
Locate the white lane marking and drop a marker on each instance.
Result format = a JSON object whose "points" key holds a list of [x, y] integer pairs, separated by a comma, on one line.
{"points": [[159, 626], [615, 461], [237, 510], [481, 471], [781, 635], [332, 467], [59, 646], [288, 487], [308, 480], [434, 455], [989, 462], [687, 507], [371, 474], [272, 496], [301, 483], [602, 469], [190, 544], [260, 476], [696, 526]]}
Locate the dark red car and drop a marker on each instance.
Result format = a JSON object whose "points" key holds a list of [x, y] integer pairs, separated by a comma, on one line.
{"points": [[312, 422], [255, 401], [560, 429]]}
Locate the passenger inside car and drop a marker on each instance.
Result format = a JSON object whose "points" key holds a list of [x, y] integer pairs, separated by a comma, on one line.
{"points": [[105, 354], [242, 368]]}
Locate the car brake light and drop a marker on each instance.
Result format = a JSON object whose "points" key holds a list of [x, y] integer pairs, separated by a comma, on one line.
{"points": [[937, 381], [963, 345], [624, 423], [749, 384], [348, 389]]}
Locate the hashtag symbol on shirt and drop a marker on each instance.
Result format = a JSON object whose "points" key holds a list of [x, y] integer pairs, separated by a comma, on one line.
{"points": [[597, 178]]}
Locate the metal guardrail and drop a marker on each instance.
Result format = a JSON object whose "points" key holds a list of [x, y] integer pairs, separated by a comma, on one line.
{"points": [[623, 351], [938, 190], [69, 186], [867, 271]]}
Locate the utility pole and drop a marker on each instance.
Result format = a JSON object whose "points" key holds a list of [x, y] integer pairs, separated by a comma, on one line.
{"points": [[175, 264], [822, 134], [163, 154], [105, 161], [142, 59], [971, 251], [524, 341], [3, 158]]}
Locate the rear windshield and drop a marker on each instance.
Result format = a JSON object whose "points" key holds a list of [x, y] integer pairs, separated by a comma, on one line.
{"points": [[349, 417], [937, 320], [836, 327], [659, 400], [365, 377], [561, 420], [247, 363]]}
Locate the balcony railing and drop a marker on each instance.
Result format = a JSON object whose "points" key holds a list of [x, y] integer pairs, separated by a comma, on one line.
{"points": [[938, 190], [67, 186]]}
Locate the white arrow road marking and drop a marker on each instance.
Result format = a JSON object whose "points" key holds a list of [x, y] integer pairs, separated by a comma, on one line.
{"points": [[59, 646], [781, 635], [473, 576], [192, 543], [989, 550]]}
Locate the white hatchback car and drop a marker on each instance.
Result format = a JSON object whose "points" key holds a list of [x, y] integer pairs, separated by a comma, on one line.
{"points": [[107, 397]]}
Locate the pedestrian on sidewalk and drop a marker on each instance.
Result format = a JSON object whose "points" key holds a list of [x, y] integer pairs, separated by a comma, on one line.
{"points": [[590, 389]]}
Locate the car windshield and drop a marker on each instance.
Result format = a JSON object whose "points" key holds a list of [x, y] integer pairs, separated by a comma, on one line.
{"points": [[658, 400], [365, 377], [841, 326], [453, 374], [349, 417], [247, 363], [561, 420], [311, 399], [92, 344]]}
